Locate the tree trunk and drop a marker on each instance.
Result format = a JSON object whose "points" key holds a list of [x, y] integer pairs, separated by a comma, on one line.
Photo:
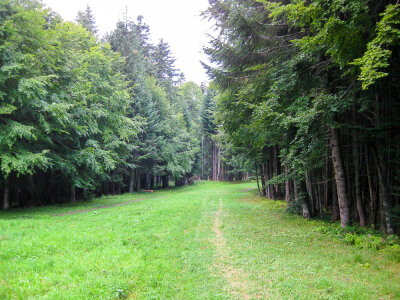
{"points": [[356, 160], [301, 196], [266, 175], [335, 204], [262, 175], [218, 164], [31, 190], [72, 197], [372, 191], [202, 157], [258, 184], [6, 194], [385, 195], [137, 180], [340, 179], [275, 169], [327, 186], [271, 175], [131, 180], [310, 192], [287, 185], [164, 181]]}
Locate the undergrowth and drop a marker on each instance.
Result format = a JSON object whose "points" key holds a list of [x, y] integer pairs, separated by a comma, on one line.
{"points": [[365, 238]]}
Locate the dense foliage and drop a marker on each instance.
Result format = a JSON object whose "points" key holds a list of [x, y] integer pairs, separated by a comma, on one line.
{"points": [[309, 92], [80, 116]]}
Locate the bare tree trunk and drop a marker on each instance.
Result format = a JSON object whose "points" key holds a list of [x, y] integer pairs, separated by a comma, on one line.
{"points": [[131, 180], [31, 189], [327, 186], [72, 197], [266, 175], [202, 157], [306, 206], [6, 194], [119, 188], [319, 200], [215, 162], [310, 192], [287, 186], [301, 196], [137, 180], [271, 175], [258, 184], [335, 204], [218, 163], [148, 183], [340, 179], [262, 175], [356, 160], [385, 195], [275, 165], [372, 191]]}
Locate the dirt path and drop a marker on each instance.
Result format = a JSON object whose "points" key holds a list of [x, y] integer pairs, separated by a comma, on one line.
{"points": [[237, 278]]}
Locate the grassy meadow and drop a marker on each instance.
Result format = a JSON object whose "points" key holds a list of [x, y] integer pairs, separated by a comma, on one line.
{"points": [[205, 241]]}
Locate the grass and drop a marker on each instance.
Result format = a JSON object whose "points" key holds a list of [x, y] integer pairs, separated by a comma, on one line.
{"points": [[207, 241]]}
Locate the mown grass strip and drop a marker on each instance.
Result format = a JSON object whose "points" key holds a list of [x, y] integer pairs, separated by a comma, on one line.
{"points": [[166, 249]]}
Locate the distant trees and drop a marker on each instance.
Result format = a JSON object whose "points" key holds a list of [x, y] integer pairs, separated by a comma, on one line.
{"points": [[87, 20], [309, 93], [220, 158], [79, 116]]}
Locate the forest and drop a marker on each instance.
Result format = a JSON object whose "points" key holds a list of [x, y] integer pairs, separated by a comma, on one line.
{"points": [[309, 93], [82, 116], [279, 178], [304, 98]]}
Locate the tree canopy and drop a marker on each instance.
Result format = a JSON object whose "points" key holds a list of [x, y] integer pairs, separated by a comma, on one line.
{"points": [[308, 92]]}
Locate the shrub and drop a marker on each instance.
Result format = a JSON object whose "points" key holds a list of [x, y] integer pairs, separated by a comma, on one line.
{"points": [[365, 237]]}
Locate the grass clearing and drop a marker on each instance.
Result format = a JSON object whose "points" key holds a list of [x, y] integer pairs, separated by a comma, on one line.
{"points": [[206, 241]]}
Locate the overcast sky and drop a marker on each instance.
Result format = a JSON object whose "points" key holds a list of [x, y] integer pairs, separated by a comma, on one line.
{"points": [[178, 22]]}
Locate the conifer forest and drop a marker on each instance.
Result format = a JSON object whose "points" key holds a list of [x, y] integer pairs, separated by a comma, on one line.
{"points": [[301, 115], [309, 93]]}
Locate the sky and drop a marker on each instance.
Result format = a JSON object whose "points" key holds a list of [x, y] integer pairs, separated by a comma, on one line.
{"points": [[178, 22]]}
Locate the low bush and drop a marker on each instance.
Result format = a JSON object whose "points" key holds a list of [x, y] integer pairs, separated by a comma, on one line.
{"points": [[365, 238]]}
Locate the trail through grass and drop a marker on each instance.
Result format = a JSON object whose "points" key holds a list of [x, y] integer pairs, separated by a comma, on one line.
{"points": [[206, 241]]}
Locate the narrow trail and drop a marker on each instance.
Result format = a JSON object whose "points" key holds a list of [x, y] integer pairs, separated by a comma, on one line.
{"points": [[236, 277]]}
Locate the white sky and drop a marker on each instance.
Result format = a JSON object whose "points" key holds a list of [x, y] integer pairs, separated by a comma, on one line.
{"points": [[178, 22]]}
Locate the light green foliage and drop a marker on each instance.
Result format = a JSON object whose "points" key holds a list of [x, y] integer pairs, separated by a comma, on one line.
{"points": [[339, 28], [65, 105], [336, 28], [23, 90], [378, 52]]}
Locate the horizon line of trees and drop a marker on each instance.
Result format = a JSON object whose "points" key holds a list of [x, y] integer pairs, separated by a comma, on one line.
{"points": [[309, 98], [81, 116]]}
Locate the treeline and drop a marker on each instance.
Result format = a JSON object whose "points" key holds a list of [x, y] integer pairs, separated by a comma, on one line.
{"points": [[82, 117], [310, 94], [219, 159]]}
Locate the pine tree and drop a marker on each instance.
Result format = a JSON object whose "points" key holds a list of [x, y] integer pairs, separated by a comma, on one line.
{"points": [[87, 20]]}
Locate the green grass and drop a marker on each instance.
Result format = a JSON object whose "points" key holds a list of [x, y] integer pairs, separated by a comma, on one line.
{"points": [[165, 247]]}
